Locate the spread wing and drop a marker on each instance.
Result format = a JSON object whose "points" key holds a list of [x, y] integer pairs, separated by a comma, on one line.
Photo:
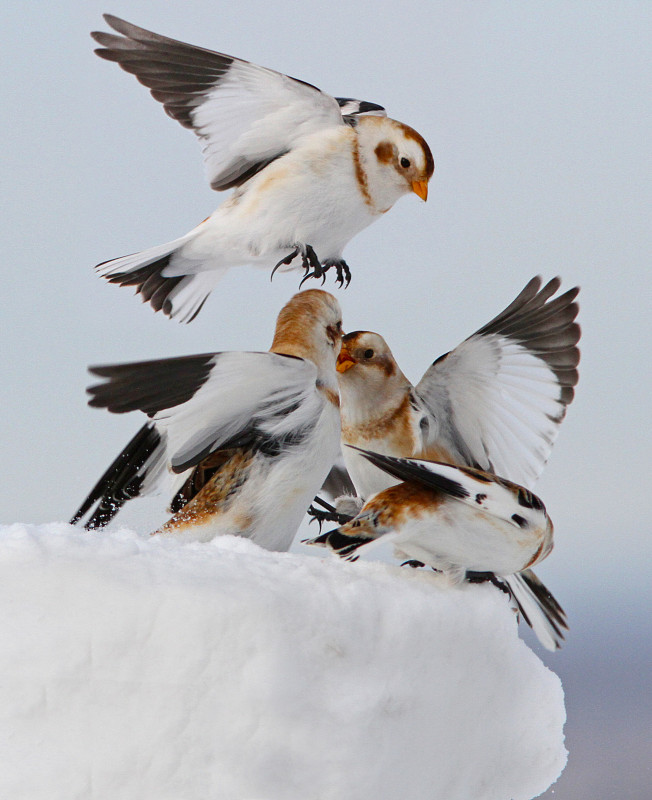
{"points": [[199, 406], [245, 115], [496, 401]]}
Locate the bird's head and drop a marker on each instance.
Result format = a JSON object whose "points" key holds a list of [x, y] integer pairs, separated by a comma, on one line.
{"points": [[395, 158], [368, 375], [310, 326]]}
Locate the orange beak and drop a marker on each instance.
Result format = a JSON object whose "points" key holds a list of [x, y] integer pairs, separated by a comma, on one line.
{"points": [[344, 361], [420, 188]]}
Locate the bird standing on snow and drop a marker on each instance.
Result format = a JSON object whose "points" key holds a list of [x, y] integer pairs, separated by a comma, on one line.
{"points": [[310, 171], [494, 403], [249, 437], [453, 518]]}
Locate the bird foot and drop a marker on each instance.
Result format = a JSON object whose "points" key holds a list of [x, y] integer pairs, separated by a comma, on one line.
{"points": [[343, 271], [320, 516], [308, 260], [327, 513], [312, 268]]}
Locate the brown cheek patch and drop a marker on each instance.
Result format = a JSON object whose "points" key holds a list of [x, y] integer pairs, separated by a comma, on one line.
{"points": [[385, 152], [388, 365]]}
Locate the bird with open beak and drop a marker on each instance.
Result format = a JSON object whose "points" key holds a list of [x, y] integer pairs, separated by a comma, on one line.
{"points": [[494, 403], [310, 171]]}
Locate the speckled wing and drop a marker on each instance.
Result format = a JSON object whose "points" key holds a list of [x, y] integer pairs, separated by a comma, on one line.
{"points": [[244, 115], [493, 495], [201, 404], [496, 401]]}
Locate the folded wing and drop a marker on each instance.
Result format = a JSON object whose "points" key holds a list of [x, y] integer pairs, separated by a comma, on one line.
{"points": [[199, 406]]}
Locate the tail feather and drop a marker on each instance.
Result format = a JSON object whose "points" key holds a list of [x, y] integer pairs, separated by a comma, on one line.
{"points": [[538, 608], [122, 481], [179, 296]]}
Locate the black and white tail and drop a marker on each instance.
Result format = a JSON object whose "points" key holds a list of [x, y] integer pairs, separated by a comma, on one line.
{"points": [[157, 274], [538, 608]]}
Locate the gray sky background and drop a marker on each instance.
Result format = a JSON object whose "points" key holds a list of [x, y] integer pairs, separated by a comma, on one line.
{"points": [[539, 118]]}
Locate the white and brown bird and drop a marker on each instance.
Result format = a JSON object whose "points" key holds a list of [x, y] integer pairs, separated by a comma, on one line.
{"points": [[494, 403], [310, 171], [454, 519], [248, 438]]}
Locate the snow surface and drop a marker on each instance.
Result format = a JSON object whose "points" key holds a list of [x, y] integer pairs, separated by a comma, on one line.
{"points": [[141, 667]]}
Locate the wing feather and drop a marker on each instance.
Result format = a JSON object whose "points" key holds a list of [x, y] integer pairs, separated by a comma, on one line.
{"points": [[497, 400], [201, 404], [244, 115]]}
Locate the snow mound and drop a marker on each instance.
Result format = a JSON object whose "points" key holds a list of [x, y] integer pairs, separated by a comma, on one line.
{"points": [[145, 668]]}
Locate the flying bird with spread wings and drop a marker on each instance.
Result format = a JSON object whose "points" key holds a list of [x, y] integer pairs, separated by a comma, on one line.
{"points": [[309, 170], [247, 438]]}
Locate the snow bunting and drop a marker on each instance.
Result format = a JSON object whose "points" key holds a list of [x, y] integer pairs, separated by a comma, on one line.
{"points": [[248, 437], [310, 170], [494, 403], [454, 519]]}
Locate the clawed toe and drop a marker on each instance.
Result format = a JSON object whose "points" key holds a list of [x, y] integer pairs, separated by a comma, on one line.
{"points": [[312, 268], [343, 271], [284, 262], [327, 513]]}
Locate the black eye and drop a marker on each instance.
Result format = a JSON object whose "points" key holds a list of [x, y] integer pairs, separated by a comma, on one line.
{"points": [[405, 162], [368, 353]]}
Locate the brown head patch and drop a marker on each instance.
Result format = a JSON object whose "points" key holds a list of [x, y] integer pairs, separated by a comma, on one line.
{"points": [[299, 316], [385, 152]]}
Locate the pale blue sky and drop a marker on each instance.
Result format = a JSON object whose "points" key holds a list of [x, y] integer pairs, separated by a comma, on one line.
{"points": [[539, 118]]}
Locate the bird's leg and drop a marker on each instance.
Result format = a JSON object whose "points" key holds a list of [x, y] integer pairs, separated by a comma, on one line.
{"points": [[343, 271], [326, 513]]}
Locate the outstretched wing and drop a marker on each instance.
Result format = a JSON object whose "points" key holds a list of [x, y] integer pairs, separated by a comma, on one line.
{"points": [[496, 401], [245, 115], [199, 406]]}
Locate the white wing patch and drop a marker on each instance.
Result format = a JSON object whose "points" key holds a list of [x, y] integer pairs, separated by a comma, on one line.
{"points": [[254, 115], [270, 390], [500, 401]]}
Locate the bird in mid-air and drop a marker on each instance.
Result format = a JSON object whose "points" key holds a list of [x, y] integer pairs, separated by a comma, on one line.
{"points": [[454, 519], [309, 170], [248, 438], [493, 403]]}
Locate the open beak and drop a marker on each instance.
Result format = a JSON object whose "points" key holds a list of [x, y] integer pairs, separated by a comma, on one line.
{"points": [[420, 188], [344, 361]]}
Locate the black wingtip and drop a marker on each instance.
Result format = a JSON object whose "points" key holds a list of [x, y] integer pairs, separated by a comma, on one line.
{"points": [[405, 469], [120, 482]]}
